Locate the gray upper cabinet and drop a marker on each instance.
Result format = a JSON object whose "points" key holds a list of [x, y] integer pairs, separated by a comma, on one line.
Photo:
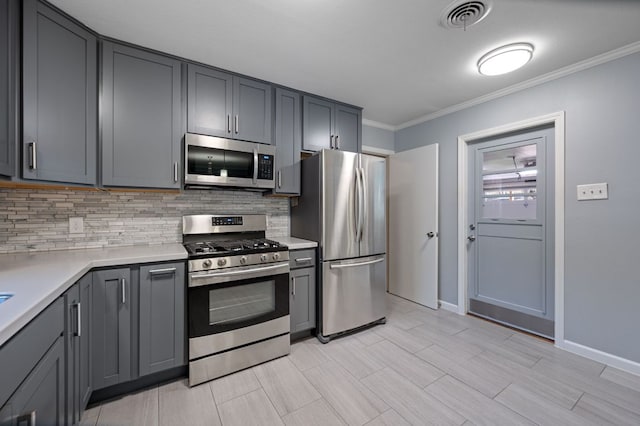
{"points": [[141, 118], [220, 104], [59, 97], [329, 125], [111, 314], [9, 11], [210, 101], [162, 317], [288, 140]]}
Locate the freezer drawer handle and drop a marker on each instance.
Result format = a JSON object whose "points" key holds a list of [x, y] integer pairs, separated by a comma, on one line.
{"points": [[353, 265]]}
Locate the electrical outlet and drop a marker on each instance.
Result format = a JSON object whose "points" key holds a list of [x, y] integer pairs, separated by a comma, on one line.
{"points": [[76, 225], [594, 191]]}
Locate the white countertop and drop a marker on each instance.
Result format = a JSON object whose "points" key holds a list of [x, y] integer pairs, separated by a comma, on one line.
{"points": [[37, 279], [295, 243]]}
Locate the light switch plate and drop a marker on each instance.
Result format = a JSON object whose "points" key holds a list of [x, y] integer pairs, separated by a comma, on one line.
{"points": [[76, 225], [593, 191]]}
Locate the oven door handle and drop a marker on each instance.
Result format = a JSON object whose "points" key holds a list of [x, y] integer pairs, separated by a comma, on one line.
{"points": [[244, 271]]}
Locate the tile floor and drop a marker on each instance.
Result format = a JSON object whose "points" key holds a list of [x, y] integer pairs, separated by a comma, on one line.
{"points": [[422, 367]]}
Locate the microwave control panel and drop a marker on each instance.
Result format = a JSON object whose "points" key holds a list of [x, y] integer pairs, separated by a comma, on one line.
{"points": [[265, 166]]}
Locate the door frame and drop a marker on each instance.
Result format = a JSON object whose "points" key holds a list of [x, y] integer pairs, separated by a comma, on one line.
{"points": [[556, 119]]}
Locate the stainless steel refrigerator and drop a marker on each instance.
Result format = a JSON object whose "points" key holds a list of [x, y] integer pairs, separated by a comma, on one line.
{"points": [[342, 207]]}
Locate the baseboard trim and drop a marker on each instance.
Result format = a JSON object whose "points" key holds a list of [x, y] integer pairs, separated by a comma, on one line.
{"points": [[446, 306], [600, 356]]}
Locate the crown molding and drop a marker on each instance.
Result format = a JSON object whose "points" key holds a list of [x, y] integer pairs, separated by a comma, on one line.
{"points": [[378, 125], [554, 75]]}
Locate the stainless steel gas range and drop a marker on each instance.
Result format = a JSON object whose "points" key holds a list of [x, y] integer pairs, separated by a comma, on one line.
{"points": [[238, 294]]}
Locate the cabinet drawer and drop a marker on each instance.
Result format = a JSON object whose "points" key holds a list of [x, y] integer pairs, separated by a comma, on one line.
{"points": [[21, 354], [302, 258]]}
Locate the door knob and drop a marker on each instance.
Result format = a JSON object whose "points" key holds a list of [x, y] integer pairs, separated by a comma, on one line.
{"points": [[471, 238], [430, 234]]}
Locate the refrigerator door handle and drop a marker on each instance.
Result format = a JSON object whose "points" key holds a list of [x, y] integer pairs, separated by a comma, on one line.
{"points": [[353, 265], [356, 202], [363, 201]]}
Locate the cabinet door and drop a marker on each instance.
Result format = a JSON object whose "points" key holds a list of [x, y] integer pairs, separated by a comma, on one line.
{"points": [[40, 398], [318, 124], [9, 11], [288, 142], [111, 327], [59, 97], [141, 130], [251, 110], [303, 299], [162, 317], [85, 286], [72, 353], [348, 129], [209, 101]]}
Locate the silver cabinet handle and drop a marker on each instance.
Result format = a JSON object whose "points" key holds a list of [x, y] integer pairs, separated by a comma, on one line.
{"points": [[337, 141], [430, 235], [33, 156], [175, 171], [471, 238], [237, 124], [78, 332], [331, 141], [123, 282], [228, 123], [279, 179], [28, 419], [353, 265], [293, 286], [162, 271], [304, 259]]}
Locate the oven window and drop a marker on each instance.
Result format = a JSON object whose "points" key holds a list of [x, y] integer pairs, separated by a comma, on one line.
{"points": [[241, 303], [219, 162]]}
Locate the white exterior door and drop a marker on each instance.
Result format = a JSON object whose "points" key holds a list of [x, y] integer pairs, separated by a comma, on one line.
{"points": [[413, 225]]}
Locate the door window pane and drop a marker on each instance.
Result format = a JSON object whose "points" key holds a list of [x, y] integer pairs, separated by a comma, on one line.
{"points": [[510, 183], [242, 302]]}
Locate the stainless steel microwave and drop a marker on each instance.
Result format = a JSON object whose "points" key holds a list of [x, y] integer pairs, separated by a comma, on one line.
{"points": [[212, 161]]}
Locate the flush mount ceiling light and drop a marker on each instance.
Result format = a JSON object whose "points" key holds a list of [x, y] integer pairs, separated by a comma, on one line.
{"points": [[505, 59]]}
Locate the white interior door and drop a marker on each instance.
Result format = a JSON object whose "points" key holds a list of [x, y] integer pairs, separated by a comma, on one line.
{"points": [[413, 225]]}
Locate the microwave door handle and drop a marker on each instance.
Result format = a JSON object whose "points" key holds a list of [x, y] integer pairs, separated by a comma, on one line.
{"points": [[255, 165]]}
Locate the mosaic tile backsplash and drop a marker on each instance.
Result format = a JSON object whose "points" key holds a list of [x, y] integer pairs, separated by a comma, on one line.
{"points": [[38, 220]]}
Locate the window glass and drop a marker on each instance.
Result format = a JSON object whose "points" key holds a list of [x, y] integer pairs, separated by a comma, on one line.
{"points": [[510, 183]]}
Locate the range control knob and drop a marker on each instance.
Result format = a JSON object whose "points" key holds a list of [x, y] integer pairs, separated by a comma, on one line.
{"points": [[263, 258], [276, 256], [243, 260], [222, 262], [206, 263]]}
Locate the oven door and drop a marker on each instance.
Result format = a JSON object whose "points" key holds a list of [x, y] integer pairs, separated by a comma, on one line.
{"points": [[237, 299]]}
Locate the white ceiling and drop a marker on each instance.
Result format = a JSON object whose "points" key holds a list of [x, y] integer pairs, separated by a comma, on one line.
{"points": [[389, 56]]}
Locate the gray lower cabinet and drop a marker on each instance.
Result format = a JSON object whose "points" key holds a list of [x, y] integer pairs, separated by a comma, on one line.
{"points": [[302, 294], [111, 317], [162, 317], [33, 371], [59, 94], [141, 118], [9, 12], [78, 348], [329, 125], [137, 322], [221, 104], [288, 141]]}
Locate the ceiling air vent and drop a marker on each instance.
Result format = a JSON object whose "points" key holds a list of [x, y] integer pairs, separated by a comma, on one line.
{"points": [[463, 15]]}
